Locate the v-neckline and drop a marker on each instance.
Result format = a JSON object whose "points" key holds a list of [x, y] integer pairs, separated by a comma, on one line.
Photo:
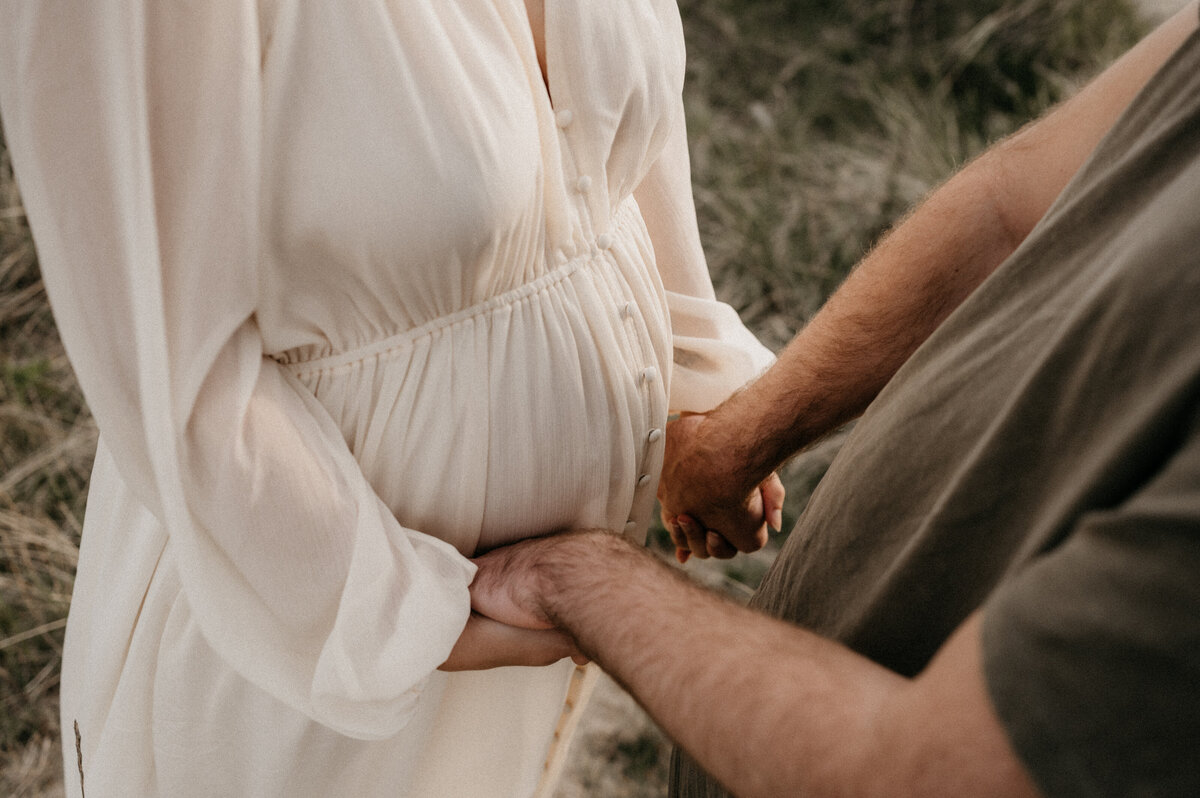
{"points": [[535, 15]]}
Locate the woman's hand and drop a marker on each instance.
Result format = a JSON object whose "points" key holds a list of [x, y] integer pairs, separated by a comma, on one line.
{"points": [[486, 643], [710, 505]]}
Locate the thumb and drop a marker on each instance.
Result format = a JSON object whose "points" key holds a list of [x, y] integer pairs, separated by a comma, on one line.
{"points": [[773, 494]]}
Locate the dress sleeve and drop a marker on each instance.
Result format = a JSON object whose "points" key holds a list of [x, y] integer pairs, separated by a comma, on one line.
{"points": [[134, 129], [1092, 653], [714, 354]]}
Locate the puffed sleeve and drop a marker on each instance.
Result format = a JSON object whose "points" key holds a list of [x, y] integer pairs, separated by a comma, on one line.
{"points": [[714, 354], [134, 128]]}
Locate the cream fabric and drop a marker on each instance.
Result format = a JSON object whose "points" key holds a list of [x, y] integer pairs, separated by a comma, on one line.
{"points": [[350, 298]]}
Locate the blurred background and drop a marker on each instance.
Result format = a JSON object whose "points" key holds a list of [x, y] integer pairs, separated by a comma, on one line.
{"points": [[814, 126]]}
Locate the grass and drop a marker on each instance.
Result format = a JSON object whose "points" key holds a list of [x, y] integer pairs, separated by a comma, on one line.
{"points": [[46, 444], [814, 125]]}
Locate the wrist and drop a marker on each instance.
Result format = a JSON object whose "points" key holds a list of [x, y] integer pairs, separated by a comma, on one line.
{"points": [[741, 441], [577, 566], [703, 466]]}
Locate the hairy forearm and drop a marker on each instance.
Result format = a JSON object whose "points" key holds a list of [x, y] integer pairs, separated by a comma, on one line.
{"points": [[920, 272], [885, 309], [840, 361], [769, 709]]}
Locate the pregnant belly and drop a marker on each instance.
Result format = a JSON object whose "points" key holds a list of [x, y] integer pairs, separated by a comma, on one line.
{"points": [[534, 413]]}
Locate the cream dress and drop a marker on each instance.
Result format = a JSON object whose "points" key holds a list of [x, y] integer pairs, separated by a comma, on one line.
{"points": [[352, 295]]}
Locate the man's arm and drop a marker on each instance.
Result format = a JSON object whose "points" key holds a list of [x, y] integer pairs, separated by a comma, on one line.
{"points": [[890, 304], [767, 708]]}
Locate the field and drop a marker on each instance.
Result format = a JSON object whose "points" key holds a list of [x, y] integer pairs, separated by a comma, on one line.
{"points": [[814, 126]]}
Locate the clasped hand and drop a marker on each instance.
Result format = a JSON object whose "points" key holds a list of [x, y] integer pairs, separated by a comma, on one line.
{"points": [[710, 505], [487, 643]]}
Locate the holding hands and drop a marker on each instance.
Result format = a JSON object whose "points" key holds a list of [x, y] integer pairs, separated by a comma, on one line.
{"points": [[718, 498], [713, 504]]}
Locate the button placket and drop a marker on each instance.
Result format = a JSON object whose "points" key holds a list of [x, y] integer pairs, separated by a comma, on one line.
{"points": [[564, 118], [646, 377], [577, 183]]}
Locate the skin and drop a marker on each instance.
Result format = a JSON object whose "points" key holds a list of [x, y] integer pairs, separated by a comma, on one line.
{"points": [[767, 708], [536, 9], [486, 643]]}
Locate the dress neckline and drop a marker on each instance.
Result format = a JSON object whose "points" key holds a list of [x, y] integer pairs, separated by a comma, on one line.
{"points": [[536, 14]]}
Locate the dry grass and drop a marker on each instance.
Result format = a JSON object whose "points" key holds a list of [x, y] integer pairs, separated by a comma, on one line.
{"points": [[814, 124], [46, 445]]}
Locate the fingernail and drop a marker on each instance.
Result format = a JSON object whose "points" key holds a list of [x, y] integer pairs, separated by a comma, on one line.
{"points": [[682, 555], [714, 542], [776, 520]]}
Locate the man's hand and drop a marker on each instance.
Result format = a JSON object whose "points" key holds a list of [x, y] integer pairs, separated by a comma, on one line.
{"points": [[737, 688], [711, 504], [518, 584], [509, 587], [486, 643]]}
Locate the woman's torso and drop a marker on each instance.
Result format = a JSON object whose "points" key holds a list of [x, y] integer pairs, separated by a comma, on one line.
{"points": [[451, 260], [455, 268]]}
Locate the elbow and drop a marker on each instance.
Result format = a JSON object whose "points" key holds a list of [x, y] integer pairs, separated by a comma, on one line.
{"points": [[1009, 213]]}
